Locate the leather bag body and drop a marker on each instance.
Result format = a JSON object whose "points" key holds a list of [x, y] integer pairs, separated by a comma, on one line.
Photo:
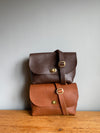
{"points": [[52, 67], [53, 99]]}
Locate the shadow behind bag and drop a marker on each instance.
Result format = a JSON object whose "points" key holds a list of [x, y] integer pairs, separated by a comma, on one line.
{"points": [[57, 66]]}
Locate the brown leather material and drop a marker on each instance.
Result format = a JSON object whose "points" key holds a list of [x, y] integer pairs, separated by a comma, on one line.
{"points": [[43, 95], [61, 69], [63, 104], [40, 65], [61, 99]]}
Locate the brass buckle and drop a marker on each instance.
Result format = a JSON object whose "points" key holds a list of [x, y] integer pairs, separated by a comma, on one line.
{"points": [[61, 63], [60, 91]]}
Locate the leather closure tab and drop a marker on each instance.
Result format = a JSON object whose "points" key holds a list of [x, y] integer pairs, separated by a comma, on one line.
{"points": [[61, 65], [60, 92]]}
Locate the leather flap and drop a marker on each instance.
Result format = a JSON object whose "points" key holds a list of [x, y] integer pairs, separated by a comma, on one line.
{"points": [[42, 63], [44, 94]]}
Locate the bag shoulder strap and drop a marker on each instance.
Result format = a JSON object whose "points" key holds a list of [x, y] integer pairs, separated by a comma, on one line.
{"points": [[61, 65], [60, 91]]}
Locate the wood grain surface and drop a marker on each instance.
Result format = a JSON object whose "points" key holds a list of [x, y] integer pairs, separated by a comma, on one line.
{"points": [[22, 122]]}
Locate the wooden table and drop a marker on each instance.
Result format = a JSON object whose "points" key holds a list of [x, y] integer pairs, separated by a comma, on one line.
{"points": [[23, 122]]}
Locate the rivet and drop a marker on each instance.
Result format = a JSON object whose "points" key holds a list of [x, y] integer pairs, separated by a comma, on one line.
{"points": [[53, 70], [53, 102]]}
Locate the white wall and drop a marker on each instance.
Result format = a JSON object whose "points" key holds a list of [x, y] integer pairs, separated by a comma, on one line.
{"points": [[28, 26]]}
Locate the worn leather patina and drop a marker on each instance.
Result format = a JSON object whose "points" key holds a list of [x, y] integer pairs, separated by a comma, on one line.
{"points": [[52, 67], [53, 99]]}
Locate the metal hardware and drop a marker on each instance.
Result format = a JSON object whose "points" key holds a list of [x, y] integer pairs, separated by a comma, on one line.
{"points": [[60, 91], [53, 70], [53, 102], [61, 63]]}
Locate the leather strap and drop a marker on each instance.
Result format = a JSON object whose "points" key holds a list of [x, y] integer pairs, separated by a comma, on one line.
{"points": [[61, 69], [61, 100]]}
